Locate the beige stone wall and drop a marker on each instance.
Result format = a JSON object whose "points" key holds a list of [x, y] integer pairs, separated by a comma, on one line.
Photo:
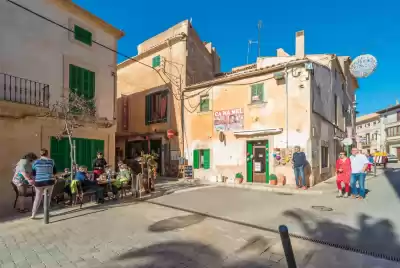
{"points": [[22, 134]]}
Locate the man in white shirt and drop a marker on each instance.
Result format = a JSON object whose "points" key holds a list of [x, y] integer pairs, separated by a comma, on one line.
{"points": [[359, 165]]}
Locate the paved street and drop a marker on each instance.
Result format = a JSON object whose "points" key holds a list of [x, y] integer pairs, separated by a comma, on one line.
{"points": [[144, 234]]}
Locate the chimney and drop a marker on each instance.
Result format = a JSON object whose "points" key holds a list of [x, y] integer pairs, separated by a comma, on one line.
{"points": [[300, 45], [281, 53]]}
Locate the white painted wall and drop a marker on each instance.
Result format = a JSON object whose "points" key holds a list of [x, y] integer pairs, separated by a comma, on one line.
{"points": [[35, 49]]}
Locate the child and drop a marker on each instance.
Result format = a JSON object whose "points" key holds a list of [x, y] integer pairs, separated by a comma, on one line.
{"points": [[123, 177], [371, 162], [82, 177]]}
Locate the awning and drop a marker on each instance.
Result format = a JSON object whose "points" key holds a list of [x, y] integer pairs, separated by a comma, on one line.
{"points": [[258, 132]]}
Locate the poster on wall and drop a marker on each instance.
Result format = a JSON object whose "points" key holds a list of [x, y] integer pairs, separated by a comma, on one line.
{"points": [[229, 120]]}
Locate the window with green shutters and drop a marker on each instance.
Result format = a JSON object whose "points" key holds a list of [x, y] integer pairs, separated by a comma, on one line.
{"points": [[86, 150], [201, 159], [204, 103], [257, 93], [82, 35], [82, 83], [156, 61]]}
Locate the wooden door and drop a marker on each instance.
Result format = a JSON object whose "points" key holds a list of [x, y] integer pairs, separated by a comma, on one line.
{"points": [[259, 160]]}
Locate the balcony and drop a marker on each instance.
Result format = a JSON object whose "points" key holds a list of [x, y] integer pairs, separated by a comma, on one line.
{"points": [[24, 91]]}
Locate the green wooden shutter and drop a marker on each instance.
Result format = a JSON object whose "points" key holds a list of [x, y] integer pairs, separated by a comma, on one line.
{"points": [[261, 91], [249, 162], [92, 85], [196, 159], [82, 35], [254, 90], [60, 153], [73, 77], [206, 155], [156, 61]]}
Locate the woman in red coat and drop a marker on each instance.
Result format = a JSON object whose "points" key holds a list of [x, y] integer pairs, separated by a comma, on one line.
{"points": [[343, 174]]}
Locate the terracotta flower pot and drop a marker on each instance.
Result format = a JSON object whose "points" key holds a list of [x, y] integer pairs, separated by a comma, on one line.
{"points": [[281, 179], [238, 180], [273, 182]]}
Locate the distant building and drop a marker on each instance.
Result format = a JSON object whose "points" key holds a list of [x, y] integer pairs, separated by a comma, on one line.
{"points": [[390, 129], [368, 130], [248, 120], [149, 100]]}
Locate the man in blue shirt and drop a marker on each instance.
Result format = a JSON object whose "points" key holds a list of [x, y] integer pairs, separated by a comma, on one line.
{"points": [[299, 162], [43, 170]]}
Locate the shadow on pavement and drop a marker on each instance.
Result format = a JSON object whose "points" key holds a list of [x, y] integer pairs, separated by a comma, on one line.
{"points": [[176, 223], [180, 254], [374, 237], [393, 176]]}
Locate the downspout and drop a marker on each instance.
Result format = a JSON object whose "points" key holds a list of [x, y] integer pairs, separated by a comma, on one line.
{"points": [[287, 105]]}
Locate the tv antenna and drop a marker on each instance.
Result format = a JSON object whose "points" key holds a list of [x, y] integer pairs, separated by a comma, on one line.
{"points": [[258, 42]]}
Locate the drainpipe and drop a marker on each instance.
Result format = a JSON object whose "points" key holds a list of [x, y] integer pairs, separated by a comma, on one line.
{"points": [[287, 105]]}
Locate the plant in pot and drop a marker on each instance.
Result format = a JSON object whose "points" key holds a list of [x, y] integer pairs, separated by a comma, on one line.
{"points": [[239, 177], [273, 179], [281, 179]]}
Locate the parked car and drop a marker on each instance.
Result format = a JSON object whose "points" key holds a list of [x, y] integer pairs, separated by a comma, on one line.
{"points": [[392, 158]]}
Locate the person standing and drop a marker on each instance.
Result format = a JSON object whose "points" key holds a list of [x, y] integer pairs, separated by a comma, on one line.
{"points": [[343, 174], [43, 170], [299, 162], [23, 178], [359, 165], [99, 165]]}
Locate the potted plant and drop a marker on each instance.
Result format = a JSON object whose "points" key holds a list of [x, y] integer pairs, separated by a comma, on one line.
{"points": [[273, 179], [239, 177], [281, 179]]}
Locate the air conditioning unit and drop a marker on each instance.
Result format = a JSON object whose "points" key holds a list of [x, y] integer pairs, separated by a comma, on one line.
{"points": [[309, 66]]}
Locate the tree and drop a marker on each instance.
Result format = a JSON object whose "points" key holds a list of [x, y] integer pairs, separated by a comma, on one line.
{"points": [[75, 111]]}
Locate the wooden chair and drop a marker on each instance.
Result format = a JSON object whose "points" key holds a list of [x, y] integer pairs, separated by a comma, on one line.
{"points": [[28, 193]]}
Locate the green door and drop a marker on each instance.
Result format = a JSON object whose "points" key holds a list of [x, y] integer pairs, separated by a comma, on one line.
{"points": [[267, 162], [59, 152], [249, 162]]}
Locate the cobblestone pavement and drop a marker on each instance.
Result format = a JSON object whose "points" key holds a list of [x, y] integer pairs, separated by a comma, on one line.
{"points": [[147, 235]]}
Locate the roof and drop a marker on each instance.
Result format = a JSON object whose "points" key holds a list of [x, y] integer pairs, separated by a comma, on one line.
{"points": [[84, 14], [367, 117], [389, 109]]}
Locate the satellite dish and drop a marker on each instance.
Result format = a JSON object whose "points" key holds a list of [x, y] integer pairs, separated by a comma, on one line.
{"points": [[363, 66]]}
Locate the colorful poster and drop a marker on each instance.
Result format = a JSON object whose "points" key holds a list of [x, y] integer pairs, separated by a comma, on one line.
{"points": [[229, 120]]}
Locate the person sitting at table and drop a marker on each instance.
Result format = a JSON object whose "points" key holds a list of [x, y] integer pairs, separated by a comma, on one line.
{"points": [[99, 165], [123, 177], [82, 177]]}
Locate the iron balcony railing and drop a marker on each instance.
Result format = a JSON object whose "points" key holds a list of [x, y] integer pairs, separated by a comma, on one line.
{"points": [[22, 90]]}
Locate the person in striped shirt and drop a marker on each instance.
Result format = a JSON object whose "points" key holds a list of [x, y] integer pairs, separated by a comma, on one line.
{"points": [[43, 170]]}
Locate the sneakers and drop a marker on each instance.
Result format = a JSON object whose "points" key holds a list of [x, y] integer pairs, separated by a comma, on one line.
{"points": [[346, 195], [340, 194]]}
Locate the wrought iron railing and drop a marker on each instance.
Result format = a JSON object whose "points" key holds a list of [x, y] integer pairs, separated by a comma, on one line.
{"points": [[22, 90]]}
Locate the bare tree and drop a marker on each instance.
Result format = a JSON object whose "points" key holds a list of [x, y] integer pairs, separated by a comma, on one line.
{"points": [[75, 111]]}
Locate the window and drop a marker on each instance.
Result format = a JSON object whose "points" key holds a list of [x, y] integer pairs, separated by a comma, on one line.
{"points": [[204, 103], [156, 61], [201, 159], [393, 131], [257, 93], [367, 139], [324, 156], [156, 107], [343, 86], [82, 81], [82, 35], [398, 116], [336, 110]]}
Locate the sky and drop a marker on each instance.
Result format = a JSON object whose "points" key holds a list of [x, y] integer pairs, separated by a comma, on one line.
{"points": [[342, 27]]}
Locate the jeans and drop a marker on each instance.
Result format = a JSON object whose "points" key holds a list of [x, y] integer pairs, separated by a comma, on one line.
{"points": [[360, 177], [299, 172]]}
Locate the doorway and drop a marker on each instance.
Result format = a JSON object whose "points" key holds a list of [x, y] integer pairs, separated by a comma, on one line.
{"points": [[258, 161]]}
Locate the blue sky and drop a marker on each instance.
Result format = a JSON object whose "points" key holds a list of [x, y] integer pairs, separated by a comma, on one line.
{"points": [[344, 27]]}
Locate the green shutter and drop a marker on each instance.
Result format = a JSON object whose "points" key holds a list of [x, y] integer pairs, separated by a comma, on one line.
{"points": [[254, 90], [204, 104], [60, 153], [196, 159], [83, 35], [249, 161], [261, 92], [206, 155], [156, 61]]}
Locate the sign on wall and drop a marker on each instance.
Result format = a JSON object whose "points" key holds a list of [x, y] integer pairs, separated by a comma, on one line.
{"points": [[229, 120]]}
